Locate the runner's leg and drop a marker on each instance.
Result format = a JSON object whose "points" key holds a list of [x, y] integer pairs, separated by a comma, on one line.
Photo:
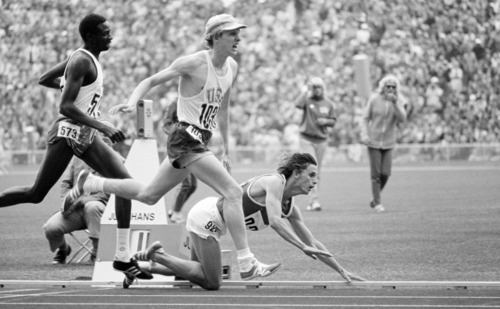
{"points": [[206, 270], [54, 163], [210, 171]]}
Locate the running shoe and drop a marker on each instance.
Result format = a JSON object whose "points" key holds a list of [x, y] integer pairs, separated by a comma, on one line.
{"points": [[260, 270], [128, 281], [132, 269], [61, 255]]}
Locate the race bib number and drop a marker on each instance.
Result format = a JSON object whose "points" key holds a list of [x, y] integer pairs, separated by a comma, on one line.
{"points": [[207, 117], [68, 130], [255, 222], [195, 133]]}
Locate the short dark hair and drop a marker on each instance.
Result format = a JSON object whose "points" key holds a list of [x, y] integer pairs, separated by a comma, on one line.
{"points": [[89, 25], [209, 38], [296, 161]]}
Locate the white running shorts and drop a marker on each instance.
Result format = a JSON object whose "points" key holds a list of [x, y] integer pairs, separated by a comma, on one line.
{"points": [[205, 220]]}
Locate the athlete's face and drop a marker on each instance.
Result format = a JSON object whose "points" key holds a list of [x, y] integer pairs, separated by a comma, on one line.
{"points": [[102, 39], [308, 178], [229, 40]]}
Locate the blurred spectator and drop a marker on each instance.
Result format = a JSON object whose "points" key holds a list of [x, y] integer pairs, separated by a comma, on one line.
{"points": [[479, 50], [363, 34], [433, 94], [318, 115], [456, 75], [383, 114]]}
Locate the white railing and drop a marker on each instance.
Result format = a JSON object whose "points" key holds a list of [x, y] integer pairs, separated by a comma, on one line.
{"points": [[247, 155], [357, 153]]}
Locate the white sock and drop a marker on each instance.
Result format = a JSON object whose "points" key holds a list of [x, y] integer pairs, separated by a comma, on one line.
{"points": [[245, 259], [144, 265], [244, 254], [122, 252], [94, 184]]}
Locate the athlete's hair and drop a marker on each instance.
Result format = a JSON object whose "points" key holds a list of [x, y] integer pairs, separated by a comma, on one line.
{"points": [[296, 161], [209, 38], [388, 79], [89, 25]]}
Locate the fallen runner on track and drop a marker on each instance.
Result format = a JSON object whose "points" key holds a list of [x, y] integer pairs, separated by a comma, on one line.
{"points": [[268, 200]]}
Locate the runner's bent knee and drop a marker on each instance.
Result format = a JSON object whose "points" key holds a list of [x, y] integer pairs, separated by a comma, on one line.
{"points": [[35, 195], [212, 285], [52, 231], [94, 208]]}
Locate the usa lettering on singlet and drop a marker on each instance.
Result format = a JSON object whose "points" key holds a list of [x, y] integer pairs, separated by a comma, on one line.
{"points": [[201, 109], [255, 213], [89, 97]]}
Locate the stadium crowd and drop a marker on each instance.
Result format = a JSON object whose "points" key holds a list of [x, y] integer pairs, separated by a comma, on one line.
{"points": [[445, 53]]}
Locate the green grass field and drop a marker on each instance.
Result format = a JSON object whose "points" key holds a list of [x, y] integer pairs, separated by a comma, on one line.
{"points": [[442, 223]]}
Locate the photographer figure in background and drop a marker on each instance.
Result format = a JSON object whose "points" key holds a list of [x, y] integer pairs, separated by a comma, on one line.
{"points": [[318, 115]]}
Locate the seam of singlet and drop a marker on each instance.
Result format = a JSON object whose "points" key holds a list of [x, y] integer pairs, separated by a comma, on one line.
{"points": [[250, 185], [286, 215], [227, 72], [204, 86], [93, 60], [209, 63], [250, 197], [290, 209]]}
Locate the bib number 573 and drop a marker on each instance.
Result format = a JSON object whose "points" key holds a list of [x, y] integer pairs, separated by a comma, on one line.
{"points": [[68, 130]]}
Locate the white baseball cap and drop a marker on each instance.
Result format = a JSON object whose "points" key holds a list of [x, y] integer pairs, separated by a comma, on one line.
{"points": [[222, 22]]}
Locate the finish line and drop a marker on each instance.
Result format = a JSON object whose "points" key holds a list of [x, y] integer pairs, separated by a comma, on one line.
{"points": [[257, 284]]}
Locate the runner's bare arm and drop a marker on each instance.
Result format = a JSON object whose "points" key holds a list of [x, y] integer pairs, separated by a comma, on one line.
{"points": [[181, 66], [274, 191], [52, 77], [306, 235]]}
